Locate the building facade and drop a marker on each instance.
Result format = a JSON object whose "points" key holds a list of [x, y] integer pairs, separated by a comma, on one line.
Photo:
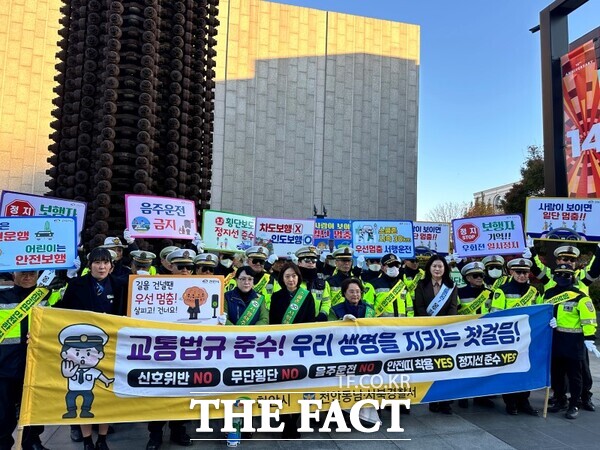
{"points": [[314, 108], [493, 196]]}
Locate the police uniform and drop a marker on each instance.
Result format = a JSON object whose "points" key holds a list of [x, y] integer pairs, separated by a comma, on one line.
{"points": [[142, 260], [474, 299], [162, 270], [119, 269], [494, 262], [206, 261], [386, 306], [512, 295], [575, 323], [318, 287], [13, 350], [335, 281], [264, 283]]}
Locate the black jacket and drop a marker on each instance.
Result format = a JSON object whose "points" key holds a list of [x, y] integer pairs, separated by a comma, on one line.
{"points": [[424, 296], [280, 301], [81, 294]]}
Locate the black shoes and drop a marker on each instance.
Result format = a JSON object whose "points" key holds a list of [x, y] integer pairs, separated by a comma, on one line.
{"points": [[76, 435], [153, 444], [182, 439], [588, 406], [484, 401], [528, 409], [101, 445], [572, 412], [559, 405], [512, 410]]}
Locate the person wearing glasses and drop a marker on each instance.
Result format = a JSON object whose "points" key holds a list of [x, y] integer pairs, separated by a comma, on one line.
{"points": [[574, 333], [291, 304], [206, 263], [494, 271], [182, 261], [256, 257], [165, 268], [243, 305], [343, 271], [582, 279], [318, 287], [390, 289], [474, 298], [353, 307], [514, 294]]}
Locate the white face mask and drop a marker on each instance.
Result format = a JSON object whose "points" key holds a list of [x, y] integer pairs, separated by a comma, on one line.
{"points": [[227, 262], [495, 273], [331, 263], [392, 272], [374, 267], [143, 272]]}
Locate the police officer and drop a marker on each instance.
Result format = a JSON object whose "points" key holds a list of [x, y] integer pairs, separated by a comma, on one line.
{"points": [[390, 289], [225, 266], [116, 245], [318, 287], [574, 333], [343, 270], [13, 350], [141, 262], [181, 261], [516, 293], [165, 267], [411, 275], [206, 263], [494, 271]]}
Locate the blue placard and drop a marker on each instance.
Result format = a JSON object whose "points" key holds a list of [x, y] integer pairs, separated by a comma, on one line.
{"points": [[331, 234], [375, 238], [37, 243]]}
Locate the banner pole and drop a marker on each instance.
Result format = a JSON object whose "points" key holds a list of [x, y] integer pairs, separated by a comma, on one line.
{"points": [[545, 412], [19, 436]]}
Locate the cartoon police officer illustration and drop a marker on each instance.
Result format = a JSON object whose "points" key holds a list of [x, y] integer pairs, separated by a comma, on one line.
{"points": [[83, 348]]}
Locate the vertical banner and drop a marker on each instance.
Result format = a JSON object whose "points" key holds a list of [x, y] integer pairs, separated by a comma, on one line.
{"points": [[331, 234], [224, 231], [559, 219], [581, 101], [433, 235], [489, 235], [375, 238], [18, 204], [149, 216], [37, 243], [284, 236], [184, 299]]}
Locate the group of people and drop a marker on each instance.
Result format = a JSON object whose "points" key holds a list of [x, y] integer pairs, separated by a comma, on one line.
{"points": [[313, 286]]}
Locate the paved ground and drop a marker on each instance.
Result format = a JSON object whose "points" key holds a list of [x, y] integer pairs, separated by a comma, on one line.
{"points": [[474, 427]]}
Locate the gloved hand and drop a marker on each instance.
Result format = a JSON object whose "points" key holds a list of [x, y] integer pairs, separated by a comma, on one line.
{"points": [[527, 254], [46, 278], [592, 348], [529, 242], [127, 236], [272, 259], [323, 256], [457, 259], [553, 323], [360, 262], [72, 273], [349, 317], [294, 258], [448, 258], [198, 242], [222, 319]]}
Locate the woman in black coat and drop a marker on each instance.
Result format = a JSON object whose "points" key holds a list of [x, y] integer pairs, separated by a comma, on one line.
{"points": [[290, 279]]}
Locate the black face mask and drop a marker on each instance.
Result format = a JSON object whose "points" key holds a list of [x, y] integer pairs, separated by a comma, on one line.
{"points": [[307, 273], [563, 282]]}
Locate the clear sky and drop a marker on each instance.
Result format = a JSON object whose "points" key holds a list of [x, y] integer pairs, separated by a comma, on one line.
{"points": [[480, 87]]}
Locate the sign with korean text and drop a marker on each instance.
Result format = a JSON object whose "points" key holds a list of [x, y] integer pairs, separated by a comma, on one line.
{"points": [[489, 235], [558, 219], [375, 238], [148, 216], [145, 370], [283, 237], [183, 299], [433, 235], [37, 243], [581, 102], [224, 231], [331, 234], [18, 204]]}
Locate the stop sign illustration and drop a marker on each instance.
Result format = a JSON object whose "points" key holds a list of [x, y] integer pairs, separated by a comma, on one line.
{"points": [[468, 233], [19, 208]]}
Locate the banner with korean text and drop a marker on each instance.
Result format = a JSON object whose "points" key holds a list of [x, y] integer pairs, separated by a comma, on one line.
{"points": [[193, 299], [433, 235], [37, 243], [331, 234], [224, 231], [375, 238], [149, 216], [18, 204], [489, 235], [282, 237], [138, 370], [559, 219]]}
